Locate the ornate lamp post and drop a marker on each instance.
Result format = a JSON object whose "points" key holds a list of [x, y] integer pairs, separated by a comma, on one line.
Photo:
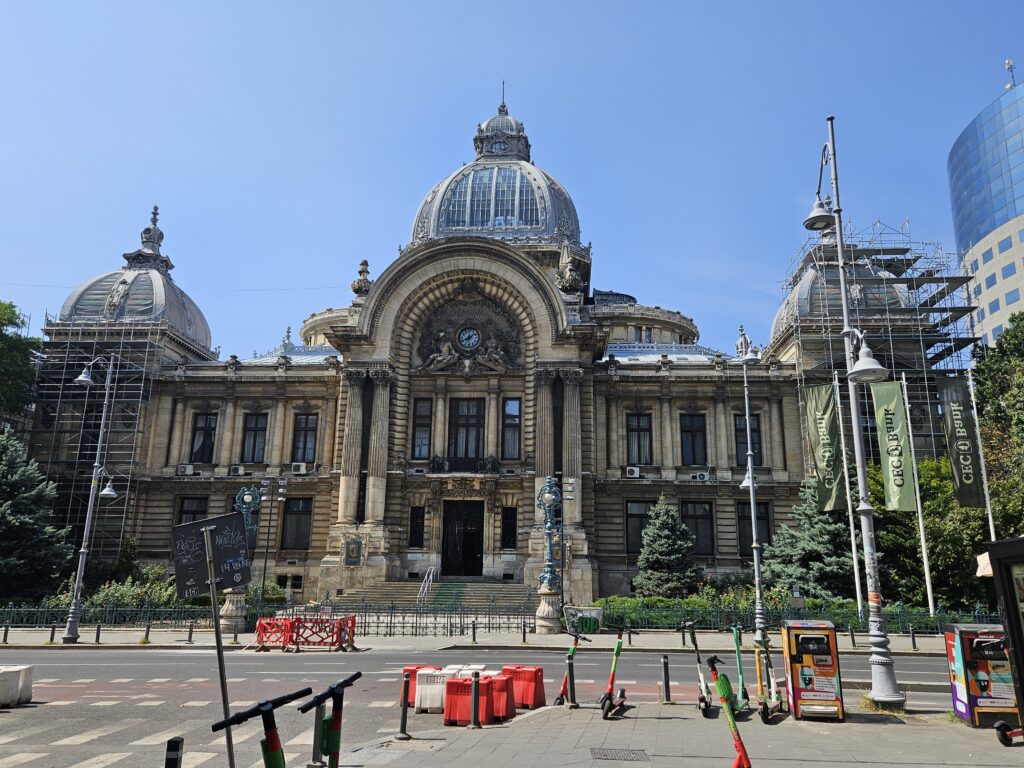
{"points": [[862, 370], [266, 495], [549, 611]]}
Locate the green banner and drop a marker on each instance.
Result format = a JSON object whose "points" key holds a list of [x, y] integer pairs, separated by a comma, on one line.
{"points": [[823, 429], [894, 446], [962, 441]]}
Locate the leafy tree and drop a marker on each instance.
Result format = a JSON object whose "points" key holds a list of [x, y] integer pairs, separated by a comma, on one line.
{"points": [[17, 375], [32, 552], [666, 569], [813, 552]]}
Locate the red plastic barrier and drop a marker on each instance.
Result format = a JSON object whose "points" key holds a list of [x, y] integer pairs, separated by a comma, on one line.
{"points": [[458, 698], [274, 632], [411, 669], [504, 700], [527, 685]]}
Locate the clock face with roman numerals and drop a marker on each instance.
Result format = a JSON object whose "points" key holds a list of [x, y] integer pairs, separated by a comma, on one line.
{"points": [[469, 338]]}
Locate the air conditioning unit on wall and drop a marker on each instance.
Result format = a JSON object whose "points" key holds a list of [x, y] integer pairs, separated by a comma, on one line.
{"points": [[184, 470], [700, 477], [299, 468], [236, 470], [633, 472]]}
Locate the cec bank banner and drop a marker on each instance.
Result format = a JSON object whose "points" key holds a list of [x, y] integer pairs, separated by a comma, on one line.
{"points": [[962, 441], [894, 446], [820, 405]]}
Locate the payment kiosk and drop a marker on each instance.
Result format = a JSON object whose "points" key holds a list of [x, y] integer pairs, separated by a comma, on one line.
{"points": [[980, 680], [813, 682]]}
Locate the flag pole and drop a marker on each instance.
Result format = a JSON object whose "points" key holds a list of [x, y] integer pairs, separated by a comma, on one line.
{"points": [[917, 496], [981, 456], [849, 496]]}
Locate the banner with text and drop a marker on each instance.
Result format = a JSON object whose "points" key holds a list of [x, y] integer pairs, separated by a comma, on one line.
{"points": [[823, 428], [962, 441], [894, 446]]}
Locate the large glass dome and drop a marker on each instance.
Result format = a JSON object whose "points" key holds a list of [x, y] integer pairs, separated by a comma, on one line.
{"points": [[501, 194]]}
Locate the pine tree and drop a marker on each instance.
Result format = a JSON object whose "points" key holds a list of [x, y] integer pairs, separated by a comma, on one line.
{"points": [[32, 552], [666, 569], [813, 552]]}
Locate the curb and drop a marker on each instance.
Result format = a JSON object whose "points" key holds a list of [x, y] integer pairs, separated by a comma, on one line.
{"points": [[676, 649], [920, 687]]}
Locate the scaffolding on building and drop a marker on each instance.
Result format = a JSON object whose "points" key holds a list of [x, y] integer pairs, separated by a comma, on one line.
{"points": [[66, 429], [910, 298]]}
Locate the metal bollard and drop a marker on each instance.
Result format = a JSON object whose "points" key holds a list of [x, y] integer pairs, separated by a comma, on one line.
{"points": [[913, 638], [98, 627], [174, 753], [853, 638], [7, 628], [570, 673], [403, 721], [629, 635], [682, 636], [474, 708], [145, 637], [665, 681], [191, 629], [318, 730], [474, 631], [53, 632], [524, 631], [234, 639]]}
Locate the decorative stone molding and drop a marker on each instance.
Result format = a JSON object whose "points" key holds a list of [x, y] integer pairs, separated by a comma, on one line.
{"points": [[355, 375], [461, 488], [361, 285], [204, 406], [254, 406], [233, 363], [382, 377], [546, 375], [306, 407], [571, 376], [469, 334]]}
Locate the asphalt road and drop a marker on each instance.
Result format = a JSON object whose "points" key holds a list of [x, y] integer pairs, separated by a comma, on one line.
{"points": [[100, 708]]}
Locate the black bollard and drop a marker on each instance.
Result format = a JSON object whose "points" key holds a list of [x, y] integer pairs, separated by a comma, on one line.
{"points": [[145, 638], [98, 627], [53, 632], [234, 639], [191, 628], [629, 635], [682, 635], [853, 638], [913, 638], [175, 751], [474, 631], [570, 673], [665, 681], [524, 631], [474, 708], [7, 628], [403, 722]]}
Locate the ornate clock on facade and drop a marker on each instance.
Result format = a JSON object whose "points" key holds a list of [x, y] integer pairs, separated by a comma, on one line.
{"points": [[469, 338]]}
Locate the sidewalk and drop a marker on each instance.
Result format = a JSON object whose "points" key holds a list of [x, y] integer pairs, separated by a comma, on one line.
{"points": [[673, 736]]}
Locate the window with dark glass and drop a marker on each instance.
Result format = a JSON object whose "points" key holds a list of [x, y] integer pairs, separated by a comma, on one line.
{"points": [[694, 436], [638, 438], [304, 437], [192, 508], [638, 334], [511, 427], [698, 516], [648, 335], [204, 431], [422, 410], [741, 440], [466, 429], [296, 522], [636, 519], [764, 528], [417, 522], [509, 527], [254, 438]]}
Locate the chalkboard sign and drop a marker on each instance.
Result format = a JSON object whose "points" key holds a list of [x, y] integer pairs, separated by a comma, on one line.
{"points": [[230, 555]]}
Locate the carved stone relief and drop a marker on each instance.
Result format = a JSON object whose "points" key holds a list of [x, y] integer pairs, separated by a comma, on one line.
{"points": [[469, 335]]}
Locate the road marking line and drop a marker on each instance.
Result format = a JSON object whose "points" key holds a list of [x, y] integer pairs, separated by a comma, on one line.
{"points": [[102, 761], [381, 704], [387, 680], [122, 680], [15, 735], [585, 682], [47, 679], [59, 703], [151, 703], [159, 680], [626, 682], [87, 736], [103, 703], [288, 757], [270, 680], [236, 679], [85, 680], [20, 759], [197, 758], [237, 704], [237, 738], [303, 739], [549, 679], [163, 736], [195, 703], [197, 680]]}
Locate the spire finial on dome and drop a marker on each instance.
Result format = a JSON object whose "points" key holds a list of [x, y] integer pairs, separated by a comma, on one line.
{"points": [[502, 109], [155, 216], [152, 236]]}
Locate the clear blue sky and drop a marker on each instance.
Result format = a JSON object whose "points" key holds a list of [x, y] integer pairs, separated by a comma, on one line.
{"points": [[284, 142]]}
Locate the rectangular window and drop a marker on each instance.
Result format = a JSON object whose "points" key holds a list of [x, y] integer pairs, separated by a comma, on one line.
{"points": [[466, 429], [984, 339], [422, 412], [509, 527], [981, 314], [993, 306], [977, 290], [1020, 236], [974, 266], [698, 517], [511, 427], [298, 516], [638, 334], [192, 508], [990, 281], [304, 437], [764, 528], [254, 438], [693, 432], [996, 333], [1012, 297], [417, 522], [986, 257], [1005, 244], [204, 431], [741, 440], [638, 438], [648, 335], [1008, 270], [636, 519]]}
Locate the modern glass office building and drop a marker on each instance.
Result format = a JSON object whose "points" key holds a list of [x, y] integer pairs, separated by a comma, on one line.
{"points": [[986, 187]]}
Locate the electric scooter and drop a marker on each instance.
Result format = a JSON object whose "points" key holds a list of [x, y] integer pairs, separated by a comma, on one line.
{"points": [[1006, 733], [615, 704], [270, 744], [330, 737], [725, 695], [772, 703], [703, 692], [742, 700], [563, 693]]}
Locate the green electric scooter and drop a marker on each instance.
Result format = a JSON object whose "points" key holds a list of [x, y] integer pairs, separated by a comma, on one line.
{"points": [[741, 700], [563, 693], [770, 702], [611, 703], [703, 691]]}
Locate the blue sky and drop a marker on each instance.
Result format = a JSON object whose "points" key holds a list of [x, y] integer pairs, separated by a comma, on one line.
{"points": [[284, 142]]}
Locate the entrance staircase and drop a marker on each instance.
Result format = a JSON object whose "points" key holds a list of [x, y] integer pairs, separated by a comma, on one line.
{"points": [[448, 594]]}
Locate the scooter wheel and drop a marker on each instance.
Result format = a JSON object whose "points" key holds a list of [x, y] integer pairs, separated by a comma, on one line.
{"points": [[1003, 733], [559, 701], [764, 712], [704, 706], [606, 709], [602, 699]]}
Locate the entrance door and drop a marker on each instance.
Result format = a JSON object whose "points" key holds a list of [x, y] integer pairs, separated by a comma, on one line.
{"points": [[462, 541]]}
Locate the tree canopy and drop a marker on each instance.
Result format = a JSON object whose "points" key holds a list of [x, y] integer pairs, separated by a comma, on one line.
{"points": [[17, 376]]}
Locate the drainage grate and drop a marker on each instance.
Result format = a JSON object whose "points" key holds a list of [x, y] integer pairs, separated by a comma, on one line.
{"points": [[634, 755]]}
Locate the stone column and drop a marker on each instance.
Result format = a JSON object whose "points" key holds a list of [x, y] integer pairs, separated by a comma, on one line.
{"points": [[493, 417], [227, 434], [178, 436], [600, 438], [572, 445], [723, 430], [778, 446], [543, 438], [377, 464], [348, 497], [667, 452], [330, 407], [277, 450], [614, 443], [438, 445]]}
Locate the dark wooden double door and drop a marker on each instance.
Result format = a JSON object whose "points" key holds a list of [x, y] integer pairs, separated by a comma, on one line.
{"points": [[462, 539]]}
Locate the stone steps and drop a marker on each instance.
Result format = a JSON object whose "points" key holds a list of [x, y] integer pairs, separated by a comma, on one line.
{"points": [[446, 593]]}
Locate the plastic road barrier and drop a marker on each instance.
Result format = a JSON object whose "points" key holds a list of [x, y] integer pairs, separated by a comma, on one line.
{"points": [[430, 689], [502, 696], [412, 669], [527, 685], [23, 674], [458, 701]]}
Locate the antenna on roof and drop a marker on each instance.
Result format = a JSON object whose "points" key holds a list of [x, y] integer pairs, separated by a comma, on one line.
{"points": [[1009, 65]]}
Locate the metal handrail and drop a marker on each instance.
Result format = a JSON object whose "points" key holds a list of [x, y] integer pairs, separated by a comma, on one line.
{"points": [[428, 580]]}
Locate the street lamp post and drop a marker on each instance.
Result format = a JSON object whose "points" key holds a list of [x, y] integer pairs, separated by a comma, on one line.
{"points": [[70, 635], [747, 354], [266, 495], [549, 611], [862, 370]]}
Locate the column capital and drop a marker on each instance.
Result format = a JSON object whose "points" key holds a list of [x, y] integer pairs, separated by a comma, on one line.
{"points": [[571, 376], [382, 376], [546, 375], [354, 375]]}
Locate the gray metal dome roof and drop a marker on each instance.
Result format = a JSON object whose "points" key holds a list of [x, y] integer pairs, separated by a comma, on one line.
{"points": [[500, 195], [141, 291]]}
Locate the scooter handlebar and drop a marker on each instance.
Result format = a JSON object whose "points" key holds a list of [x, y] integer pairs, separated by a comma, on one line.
{"points": [[577, 636], [330, 691], [262, 706]]}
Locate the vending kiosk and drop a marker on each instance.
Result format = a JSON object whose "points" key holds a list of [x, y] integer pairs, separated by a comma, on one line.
{"points": [[1007, 559], [979, 671], [813, 682]]}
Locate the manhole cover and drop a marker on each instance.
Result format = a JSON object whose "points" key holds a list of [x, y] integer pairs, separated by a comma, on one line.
{"points": [[635, 755]]}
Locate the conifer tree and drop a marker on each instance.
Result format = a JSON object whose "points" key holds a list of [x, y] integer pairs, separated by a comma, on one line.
{"points": [[32, 552], [666, 569]]}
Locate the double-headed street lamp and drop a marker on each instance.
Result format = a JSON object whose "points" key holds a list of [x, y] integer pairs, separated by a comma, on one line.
{"points": [[85, 378], [549, 499], [862, 370]]}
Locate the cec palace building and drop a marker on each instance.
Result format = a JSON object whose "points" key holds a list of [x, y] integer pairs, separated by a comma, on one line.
{"points": [[415, 425]]}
